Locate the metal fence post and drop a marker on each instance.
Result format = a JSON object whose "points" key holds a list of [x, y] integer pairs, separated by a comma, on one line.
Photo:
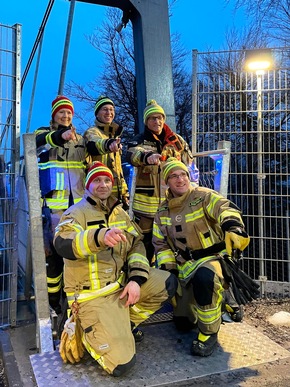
{"points": [[43, 322]]}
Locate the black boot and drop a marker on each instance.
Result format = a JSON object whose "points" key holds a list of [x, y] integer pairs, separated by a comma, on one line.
{"points": [[203, 345], [138, 335]]}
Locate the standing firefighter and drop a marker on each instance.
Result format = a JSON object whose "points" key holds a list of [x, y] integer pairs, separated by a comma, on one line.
{"points": [[61, 174], [193, 229], [103, 142], [107, 275], [147, 152]]}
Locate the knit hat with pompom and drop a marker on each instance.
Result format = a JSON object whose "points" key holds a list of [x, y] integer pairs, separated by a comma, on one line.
{"points": [[152, 108]]}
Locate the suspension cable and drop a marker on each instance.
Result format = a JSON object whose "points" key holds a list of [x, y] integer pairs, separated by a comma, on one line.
{"points": [[37, 41]]}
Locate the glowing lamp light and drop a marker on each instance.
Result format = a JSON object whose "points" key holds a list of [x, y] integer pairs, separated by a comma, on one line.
{"points": [[258, 60]]}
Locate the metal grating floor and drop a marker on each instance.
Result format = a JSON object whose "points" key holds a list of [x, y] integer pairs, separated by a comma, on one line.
{"points": [[163, 357]]}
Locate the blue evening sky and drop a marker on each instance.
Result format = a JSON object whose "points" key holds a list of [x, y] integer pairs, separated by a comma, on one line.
{"points": [[201, 24]]}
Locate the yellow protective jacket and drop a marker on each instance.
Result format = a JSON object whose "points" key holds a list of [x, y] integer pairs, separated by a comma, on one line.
{"points": [[189, 230], [98, 139], [92, 269], [61, 168], [150, 187]]}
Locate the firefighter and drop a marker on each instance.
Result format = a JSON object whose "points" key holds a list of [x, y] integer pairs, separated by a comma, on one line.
{"points": [[107, 274], [61, 163], [148, 151], [103, 142], [193, 228]]}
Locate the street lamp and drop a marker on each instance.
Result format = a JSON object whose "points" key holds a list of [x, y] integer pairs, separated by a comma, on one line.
{"points": [[258, 61]]}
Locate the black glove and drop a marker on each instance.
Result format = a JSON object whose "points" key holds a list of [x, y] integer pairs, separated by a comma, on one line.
{"points": [[63, 128]]}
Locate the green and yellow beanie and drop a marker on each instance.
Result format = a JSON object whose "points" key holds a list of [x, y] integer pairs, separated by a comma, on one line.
{"points": [[101, 101], [171, 165], [152, 108]]}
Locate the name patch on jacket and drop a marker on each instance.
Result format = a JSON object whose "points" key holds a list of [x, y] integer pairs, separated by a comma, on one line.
{"points": [[195, 202], [162, 209]]}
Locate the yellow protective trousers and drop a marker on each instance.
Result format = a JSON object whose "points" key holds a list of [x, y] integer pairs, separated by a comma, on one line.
{"points": [[107, 323], [200, 299]]}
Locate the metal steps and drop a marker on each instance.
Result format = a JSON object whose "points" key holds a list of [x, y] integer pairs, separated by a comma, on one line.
{"points": [[163, 358]]}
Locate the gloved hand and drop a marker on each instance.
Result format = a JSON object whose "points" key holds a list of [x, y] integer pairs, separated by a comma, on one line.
{"points": [[71, 348], [236, 238], [63, 127]]}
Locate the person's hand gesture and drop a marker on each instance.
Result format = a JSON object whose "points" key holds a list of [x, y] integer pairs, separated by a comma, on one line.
{"points": [[132, 291], [116, 145], [154, 159], [69, 134], [114, 236]]}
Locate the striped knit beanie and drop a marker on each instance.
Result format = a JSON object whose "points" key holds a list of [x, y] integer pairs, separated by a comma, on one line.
{"points": [[152, 108], [59, 103], [98, 169], [171, 165], [101, 101]]}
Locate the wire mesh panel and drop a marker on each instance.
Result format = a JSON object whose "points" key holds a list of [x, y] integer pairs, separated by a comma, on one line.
{"points": [[9, 166], [251, 111]]}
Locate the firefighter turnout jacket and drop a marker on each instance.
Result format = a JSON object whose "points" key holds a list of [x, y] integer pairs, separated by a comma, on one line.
{"points": [[61, 168], [98, 139], [94, 276], [189, 230], [188, 236], [91, 268], [150, 187]]}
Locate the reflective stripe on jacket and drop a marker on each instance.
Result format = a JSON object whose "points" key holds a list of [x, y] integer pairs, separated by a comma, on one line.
{"points": [[87, 295], [192, 222], [150, 187], [96, 139], [90, 265], [61, 168]]}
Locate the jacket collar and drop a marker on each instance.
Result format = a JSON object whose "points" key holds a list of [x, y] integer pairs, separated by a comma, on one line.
{"points": [[109, 129], [108, 205], [174, 202]]}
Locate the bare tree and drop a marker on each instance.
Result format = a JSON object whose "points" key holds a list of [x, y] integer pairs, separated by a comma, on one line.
{"points": [[118, 81], [271, 18], [182, 90]]}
